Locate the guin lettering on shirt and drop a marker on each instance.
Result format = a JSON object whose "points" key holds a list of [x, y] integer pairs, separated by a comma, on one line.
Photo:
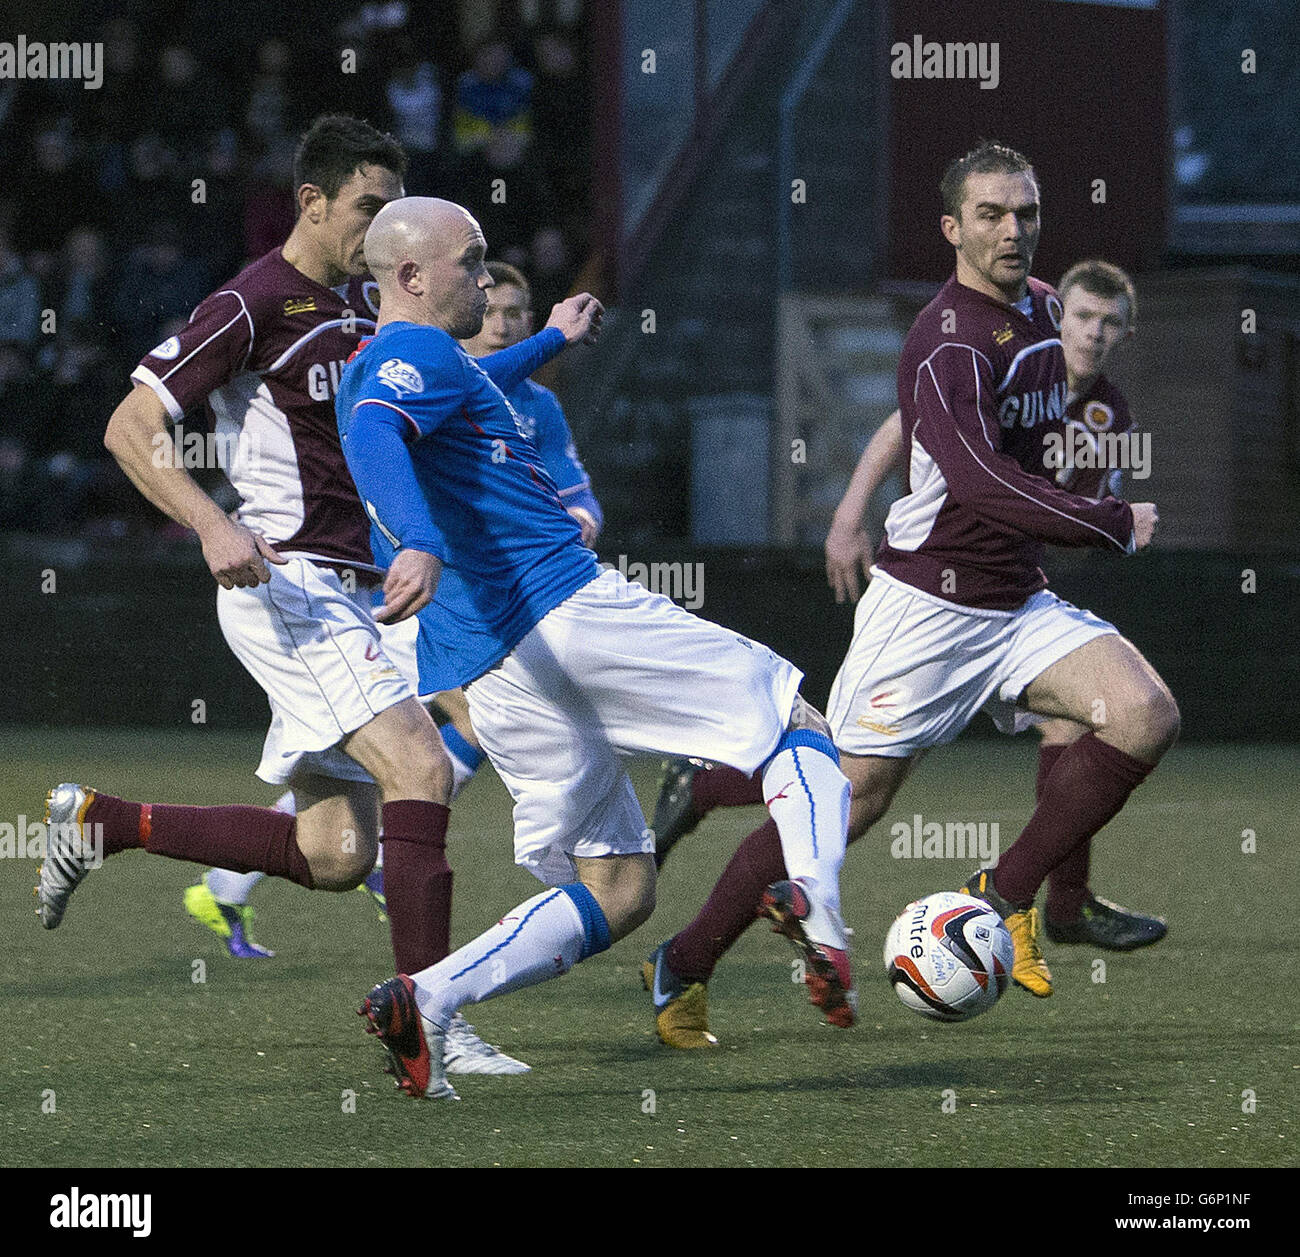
{"points": [[443, 464], [980, 383]]}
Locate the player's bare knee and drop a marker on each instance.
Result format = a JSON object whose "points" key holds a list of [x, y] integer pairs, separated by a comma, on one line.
{"points": [[417, 768], [1160, 719], [339, 870]]}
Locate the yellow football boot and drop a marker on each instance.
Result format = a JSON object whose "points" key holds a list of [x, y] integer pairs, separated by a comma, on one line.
{"points": [[1029, 970], [681, 1011]]}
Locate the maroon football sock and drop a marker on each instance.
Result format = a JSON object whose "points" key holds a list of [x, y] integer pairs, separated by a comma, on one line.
{"points": [[1067, 887], [417, 882], [732, 906], [243, 839], [1087, 786], [724, 787]]}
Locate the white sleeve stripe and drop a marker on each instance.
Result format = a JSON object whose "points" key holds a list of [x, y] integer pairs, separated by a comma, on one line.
{"points": [[316, 331], [145, 376], [218, 332], [576, 488], [379, 401], [1028, 349], [374, 514]]}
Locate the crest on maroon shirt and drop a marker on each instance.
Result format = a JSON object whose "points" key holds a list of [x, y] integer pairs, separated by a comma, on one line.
{"points": [[1098, 416]]}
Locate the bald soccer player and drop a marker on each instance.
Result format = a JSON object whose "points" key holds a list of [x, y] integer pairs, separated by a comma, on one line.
{"points": [[565, 666]]}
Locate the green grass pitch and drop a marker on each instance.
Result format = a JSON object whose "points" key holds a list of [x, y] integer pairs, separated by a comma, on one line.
{"points": [[251, 1067]]}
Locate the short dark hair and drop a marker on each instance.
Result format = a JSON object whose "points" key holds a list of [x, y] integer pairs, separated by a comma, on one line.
{"points": [[1102, 279], [504, 273], [986, 158], [336, 146]]}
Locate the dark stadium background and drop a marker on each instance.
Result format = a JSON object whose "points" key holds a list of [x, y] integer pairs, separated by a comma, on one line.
{"points": [[669, 192]]}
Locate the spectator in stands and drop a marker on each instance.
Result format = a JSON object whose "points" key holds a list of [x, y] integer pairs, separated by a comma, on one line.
{"points": [[270, 114], [159, 281], [414, 97], [20, 297], [58, 191], [493, 93], [80, 290], [504, 186]]}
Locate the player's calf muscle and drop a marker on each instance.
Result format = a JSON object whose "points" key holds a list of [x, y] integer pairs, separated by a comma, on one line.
{"points": [[337, 830], [623, 886]]}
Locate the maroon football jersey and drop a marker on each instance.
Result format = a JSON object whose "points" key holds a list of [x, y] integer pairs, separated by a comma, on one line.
{"points": [[979, 384], [264, 355], [1100, 408]]}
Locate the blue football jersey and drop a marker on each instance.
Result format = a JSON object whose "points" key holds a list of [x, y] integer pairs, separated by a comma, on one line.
{"points": [[443, 463]]}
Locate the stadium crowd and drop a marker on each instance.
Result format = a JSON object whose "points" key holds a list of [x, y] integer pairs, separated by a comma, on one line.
{"points": [[135, 200]]}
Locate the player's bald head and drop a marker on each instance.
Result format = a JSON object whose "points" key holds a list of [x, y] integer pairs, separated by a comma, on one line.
{"points": [[416, 228], [426, 255]]}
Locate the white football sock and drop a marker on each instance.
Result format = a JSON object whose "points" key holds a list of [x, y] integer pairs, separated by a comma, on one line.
{"points": [[233, 888], [461, 772], [808, 798], [540, 939]]}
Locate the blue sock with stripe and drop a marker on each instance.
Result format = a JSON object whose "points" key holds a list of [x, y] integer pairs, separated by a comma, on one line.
{"points": [[808, 798], [541, 939]]}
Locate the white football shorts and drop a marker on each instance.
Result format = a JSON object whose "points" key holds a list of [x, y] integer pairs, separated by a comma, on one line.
{"points": [[613, 670], [919, 668], [315, 648]]}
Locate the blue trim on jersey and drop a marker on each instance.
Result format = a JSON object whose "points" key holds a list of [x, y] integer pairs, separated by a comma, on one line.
{"points": [[514, 934], [595, 929], [456, 745]]}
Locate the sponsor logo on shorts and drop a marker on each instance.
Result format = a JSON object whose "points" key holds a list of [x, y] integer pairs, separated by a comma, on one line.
{"points": [[889, 731], [880, 705]]}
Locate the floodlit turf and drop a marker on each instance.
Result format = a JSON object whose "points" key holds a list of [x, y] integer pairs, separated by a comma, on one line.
{"points": [[144, 1066]]}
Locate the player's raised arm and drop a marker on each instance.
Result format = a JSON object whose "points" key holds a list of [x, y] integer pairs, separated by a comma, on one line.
{"points": [[848, 548], [138, 438], [957, 426], [579, 318], [574, 319]]}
